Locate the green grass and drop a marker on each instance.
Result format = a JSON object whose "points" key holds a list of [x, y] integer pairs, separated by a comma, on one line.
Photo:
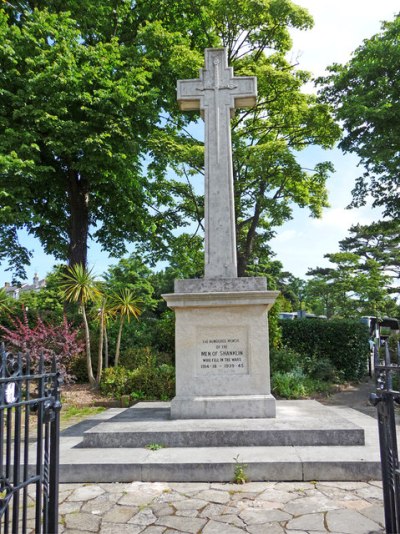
{"points": [[74, 411]]}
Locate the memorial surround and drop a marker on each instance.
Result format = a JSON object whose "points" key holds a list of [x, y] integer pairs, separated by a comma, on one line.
{"points": [[222, 353]]}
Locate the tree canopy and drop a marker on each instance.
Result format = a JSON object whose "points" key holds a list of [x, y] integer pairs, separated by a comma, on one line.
{"points": [[365, 94], [90, 124], [81, 93], [268, 178]]}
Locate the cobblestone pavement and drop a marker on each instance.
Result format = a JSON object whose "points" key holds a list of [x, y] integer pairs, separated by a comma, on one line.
{"points": [[255, 507]]}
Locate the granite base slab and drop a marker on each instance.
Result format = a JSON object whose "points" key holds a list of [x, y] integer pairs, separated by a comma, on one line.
{"points": [[217, 464], [298, 423]]}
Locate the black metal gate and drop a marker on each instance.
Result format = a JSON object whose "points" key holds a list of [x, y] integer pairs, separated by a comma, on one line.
{"points": [[29, 444], [387, 394]]}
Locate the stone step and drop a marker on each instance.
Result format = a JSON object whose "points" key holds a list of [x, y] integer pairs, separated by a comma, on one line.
{"points": [[217, 464], [298, 423]]}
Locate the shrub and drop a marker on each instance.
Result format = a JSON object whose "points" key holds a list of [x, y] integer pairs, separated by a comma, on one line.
{"points": [[60, 341], [138, 356], [296, 385], [284, 360], [343, 342], [145, 382]]}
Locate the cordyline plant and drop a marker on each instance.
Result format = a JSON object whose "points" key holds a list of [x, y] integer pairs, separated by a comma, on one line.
{"points": [[60, 341]]}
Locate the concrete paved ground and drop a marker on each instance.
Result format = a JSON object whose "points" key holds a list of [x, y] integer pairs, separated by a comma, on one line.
{"points": [[208, 508], [255, 508]]}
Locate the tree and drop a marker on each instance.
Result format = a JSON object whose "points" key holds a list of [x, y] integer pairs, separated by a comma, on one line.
{"points": [[126, 305], [352, 288], [82, 89], [378, 241], [365, 94], [78, 285], [268, 179]]}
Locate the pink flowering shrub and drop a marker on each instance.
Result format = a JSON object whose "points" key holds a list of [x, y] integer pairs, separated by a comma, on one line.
{"points": [[59, 340]]}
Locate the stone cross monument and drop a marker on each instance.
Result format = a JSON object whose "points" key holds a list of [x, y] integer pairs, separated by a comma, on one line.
{"points": [[217, 93], [221, 333]]}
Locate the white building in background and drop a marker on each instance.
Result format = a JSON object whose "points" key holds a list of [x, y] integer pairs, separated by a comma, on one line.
{"points": [[14, 291]]}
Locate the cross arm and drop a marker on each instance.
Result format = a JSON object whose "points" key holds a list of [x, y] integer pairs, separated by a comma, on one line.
{"points": [[188, 94]]}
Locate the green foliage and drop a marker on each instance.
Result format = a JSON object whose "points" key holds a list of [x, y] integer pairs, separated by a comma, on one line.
{"points": [[154, 446], [296, 385], [146, 383], [239, 472], [143, 356], [284, 360], [82, 90], [343, 342], [86, 411], [365, 94]]}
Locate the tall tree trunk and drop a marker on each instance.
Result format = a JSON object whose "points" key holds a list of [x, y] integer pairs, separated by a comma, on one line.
{"points": [[105, 346], [101, 343], [78, 198], [91, 377], [117, 349]]}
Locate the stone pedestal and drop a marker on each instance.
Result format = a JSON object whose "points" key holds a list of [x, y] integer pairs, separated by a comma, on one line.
{"points": [[222, 355]]}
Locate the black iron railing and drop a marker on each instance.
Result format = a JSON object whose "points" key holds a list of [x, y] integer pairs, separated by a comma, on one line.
{"points": [[29, 444], [387, 374]]}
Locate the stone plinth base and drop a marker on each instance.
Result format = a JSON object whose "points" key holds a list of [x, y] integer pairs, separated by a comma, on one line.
{"points": [[222, 356], [227, 407]]}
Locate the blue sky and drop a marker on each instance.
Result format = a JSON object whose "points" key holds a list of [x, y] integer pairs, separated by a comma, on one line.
{"points": [[340, 27]]}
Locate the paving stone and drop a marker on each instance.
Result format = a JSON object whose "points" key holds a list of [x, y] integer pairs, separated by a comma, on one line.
{"points": [[375, 513], [214, 527], [188, 488], [189, 504], [347, 486], [294, 486], [350, 522], [137, 498], [169, 496], [265, 505], [85, 493], [103, 503], [144, 517], [370, 493], [110, 528], [257, 517], [69, 507], [248, 487], [230, 519], [219, 497], [377, 483], [153, 530], [186, 513], [355, 504], [272, 494], [241, 495], [119, 514], [267, 528], [310, 505], [115, 487], [160, 510], [212, 510], [337, 494], [309, 522], [182, 524], [83, 521]]}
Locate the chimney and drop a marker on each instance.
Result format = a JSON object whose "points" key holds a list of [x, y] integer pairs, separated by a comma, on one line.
{"points": [[36, 281]]}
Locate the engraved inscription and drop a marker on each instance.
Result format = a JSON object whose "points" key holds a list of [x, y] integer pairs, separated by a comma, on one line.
{"points": [[222, 351]]}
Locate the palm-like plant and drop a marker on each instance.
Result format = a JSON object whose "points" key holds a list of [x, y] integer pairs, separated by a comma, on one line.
{"points": [[103, 315], [126, 305], [78, 285], [5, 301]]}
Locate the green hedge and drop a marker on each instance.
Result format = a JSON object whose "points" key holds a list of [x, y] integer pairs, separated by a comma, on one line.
{"points": [[342, 341]]}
